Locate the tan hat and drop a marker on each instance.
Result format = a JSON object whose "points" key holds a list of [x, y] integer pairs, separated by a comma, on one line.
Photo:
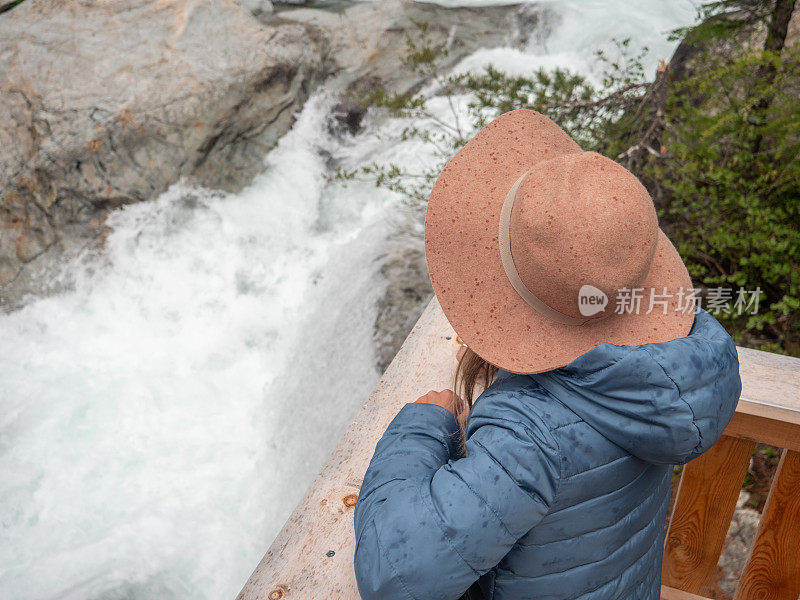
{"points": [[539, 251]]}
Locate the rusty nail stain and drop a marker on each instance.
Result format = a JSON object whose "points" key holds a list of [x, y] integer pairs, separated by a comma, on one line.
{"points": [[276, 594], [350, 500]]}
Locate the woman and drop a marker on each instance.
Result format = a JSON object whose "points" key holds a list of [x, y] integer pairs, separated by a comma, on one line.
{"points": [[549, 263]]}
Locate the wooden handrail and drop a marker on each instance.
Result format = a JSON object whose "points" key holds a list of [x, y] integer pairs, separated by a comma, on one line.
{"points": [[312, 556], [768, 412]]}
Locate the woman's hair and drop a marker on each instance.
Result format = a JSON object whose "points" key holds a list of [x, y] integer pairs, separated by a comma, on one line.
{"points": [[472, 372]]}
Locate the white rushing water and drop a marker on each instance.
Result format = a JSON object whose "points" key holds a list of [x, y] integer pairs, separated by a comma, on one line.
{"points": [[159, 421]]}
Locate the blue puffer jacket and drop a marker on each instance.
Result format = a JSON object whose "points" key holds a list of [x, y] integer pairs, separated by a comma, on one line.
{"points": [[564, 489]]}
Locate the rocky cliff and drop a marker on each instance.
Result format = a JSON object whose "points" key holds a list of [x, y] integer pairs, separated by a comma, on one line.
{"points": [[108, 103]]}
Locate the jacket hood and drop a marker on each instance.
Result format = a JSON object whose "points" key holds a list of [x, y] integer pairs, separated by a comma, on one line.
{"points": [[666, 402]]}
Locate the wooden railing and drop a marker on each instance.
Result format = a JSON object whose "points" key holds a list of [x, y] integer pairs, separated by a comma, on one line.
{"points": [[312, 556], [768, 412]]}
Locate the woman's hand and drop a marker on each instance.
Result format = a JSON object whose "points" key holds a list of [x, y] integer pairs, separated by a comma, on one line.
{"points": [[445, 399]]}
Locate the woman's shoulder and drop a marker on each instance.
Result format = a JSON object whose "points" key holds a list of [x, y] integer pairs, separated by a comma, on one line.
{"points": [[520, 399], [515, 421]]}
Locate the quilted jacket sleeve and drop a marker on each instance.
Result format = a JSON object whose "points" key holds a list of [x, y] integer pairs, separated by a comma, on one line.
{"points": [[428, 523]]}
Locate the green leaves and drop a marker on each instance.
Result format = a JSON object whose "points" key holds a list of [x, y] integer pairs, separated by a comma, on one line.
{"points": [[735, 214], [729, 182]]}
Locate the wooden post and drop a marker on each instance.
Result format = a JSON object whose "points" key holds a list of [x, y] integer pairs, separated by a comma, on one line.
{"points": [[707, 495], [773, 571]]}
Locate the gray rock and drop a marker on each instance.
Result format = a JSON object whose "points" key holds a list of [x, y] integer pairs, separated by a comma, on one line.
{"points": [[256, 8], [408, 287], [104, 104], [738, 543], [367, 40]]}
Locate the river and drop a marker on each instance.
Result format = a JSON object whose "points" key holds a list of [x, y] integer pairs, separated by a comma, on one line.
{"points": [[159, 420]]}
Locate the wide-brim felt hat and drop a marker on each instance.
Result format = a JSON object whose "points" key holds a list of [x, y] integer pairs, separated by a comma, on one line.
{"points": [[539, 251]]}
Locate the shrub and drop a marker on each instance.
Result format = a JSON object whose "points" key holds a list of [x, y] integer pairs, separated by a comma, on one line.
{"points": [[732, 179]]}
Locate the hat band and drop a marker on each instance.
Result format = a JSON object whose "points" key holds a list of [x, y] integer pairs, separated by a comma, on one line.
{"points": [[510, 268]]}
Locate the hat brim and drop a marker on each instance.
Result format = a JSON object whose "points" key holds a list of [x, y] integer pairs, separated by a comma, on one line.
{"points": [[464, 264]]}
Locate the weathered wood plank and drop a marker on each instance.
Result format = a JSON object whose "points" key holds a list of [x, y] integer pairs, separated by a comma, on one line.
{"points": [[769, 408], [773, 571], [668, 593], [774, 425], [298, 564], [707, 495]]}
